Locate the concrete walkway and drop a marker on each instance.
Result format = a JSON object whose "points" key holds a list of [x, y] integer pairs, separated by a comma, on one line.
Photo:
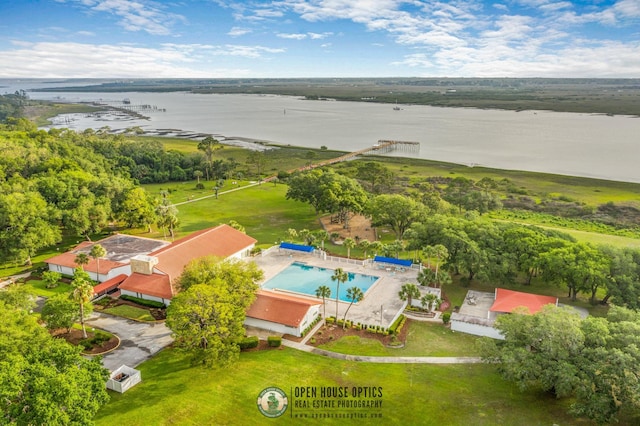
{"points": [[384, 359], [138, 341]]}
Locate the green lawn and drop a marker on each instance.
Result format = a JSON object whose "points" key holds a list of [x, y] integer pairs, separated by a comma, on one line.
{"points": [[262, 209], [39, 288], [132, 312], [174, 393], [423, 339]]}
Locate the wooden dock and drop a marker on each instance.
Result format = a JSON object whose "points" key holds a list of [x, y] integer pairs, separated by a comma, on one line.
{"points": [[382, 147]]}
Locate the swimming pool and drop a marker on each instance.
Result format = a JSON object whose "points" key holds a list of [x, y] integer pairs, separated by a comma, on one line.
{"points": [[301, 278]]}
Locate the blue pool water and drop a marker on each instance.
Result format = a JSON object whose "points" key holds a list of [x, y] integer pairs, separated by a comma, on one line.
{"points": [[302, 278]]}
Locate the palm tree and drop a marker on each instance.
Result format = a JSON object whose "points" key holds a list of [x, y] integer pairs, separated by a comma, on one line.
{"points": [[364, 246], [376, 246], [429, 252], [82, 293], [97, 251], [441, 253], [292, 234], [198, 174], [81, 260], [322, 235], [324, 292], [408, 292], [349, 243], [209, 145], [426, 277], [354, 294], [427, 301], [341, 277]]}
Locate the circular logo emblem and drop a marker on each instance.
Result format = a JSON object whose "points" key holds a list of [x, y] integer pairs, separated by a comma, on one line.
{"points": [[272, 402]]}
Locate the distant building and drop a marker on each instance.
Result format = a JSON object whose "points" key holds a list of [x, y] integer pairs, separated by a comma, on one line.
{"points": [[480, 309]]}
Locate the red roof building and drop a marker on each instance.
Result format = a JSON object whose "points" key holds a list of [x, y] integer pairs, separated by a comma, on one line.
{"points": [[153, 276], [508, 300], [282, 313]]}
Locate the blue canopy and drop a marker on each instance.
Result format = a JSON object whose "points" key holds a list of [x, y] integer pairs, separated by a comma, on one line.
{"points": [[298, 247], [393, 261]]}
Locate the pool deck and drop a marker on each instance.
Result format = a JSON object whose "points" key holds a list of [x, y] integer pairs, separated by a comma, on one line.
{"points": [[382, 294]]}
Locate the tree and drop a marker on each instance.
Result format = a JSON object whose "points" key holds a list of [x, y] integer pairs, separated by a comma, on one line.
{"points": [[45, 381], [441, 254], [137, 209], [17, 296], [396, 211], [81, 260], [59, 311], [349, 243], [51, 278], [208, 146], [207, 317], [258, 160], [324, 292], [323, 236], [167, 217], [328, 191], [198, 174], [97, 251], [376, 174], [580, 266], [26, 225], [364, 245], [240, 277], [82, 294], [427, 301], [207, 323], [339, 276], [354, 294], [409, 292], [592, 360]]}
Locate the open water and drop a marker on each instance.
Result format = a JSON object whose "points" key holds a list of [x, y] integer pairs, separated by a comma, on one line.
{"points": [[589, 145]]}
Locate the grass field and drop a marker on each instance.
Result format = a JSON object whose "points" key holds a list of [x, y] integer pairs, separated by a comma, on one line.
{"points": [[174, 393], [131, 312], [39, 288], [423, 339]]}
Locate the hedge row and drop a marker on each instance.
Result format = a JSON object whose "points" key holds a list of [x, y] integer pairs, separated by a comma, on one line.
{"points": [[274, 341], [143, 302], [397, 325]]}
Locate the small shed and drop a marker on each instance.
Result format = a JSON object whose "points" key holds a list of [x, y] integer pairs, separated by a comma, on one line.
{"points": [[123, 379]]}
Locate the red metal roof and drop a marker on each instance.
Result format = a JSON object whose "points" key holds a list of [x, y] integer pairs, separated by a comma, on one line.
{"points": [[109, 284], [221, 241], [280, 308], [156, 285], [508, 300]]}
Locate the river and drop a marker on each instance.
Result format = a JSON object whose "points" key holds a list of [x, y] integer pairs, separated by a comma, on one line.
{"points": [[588, 145]]}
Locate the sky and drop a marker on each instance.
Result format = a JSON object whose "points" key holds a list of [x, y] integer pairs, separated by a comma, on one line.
{"points": [[318, 38]]}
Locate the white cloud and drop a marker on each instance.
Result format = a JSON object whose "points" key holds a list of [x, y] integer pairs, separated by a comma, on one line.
{"points": [[69, 60], [136, 15], [292, 36], [238, 31]]}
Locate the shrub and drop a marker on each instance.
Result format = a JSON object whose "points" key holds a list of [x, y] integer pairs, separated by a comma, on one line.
{"points": [[200, 185], [249, 342], [312, 340], [143, 302], [397, 325], [331, 320], [274, 341], [446, 317]]}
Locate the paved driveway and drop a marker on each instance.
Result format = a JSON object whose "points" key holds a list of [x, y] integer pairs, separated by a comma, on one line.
{"points": [[138, 341]]}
